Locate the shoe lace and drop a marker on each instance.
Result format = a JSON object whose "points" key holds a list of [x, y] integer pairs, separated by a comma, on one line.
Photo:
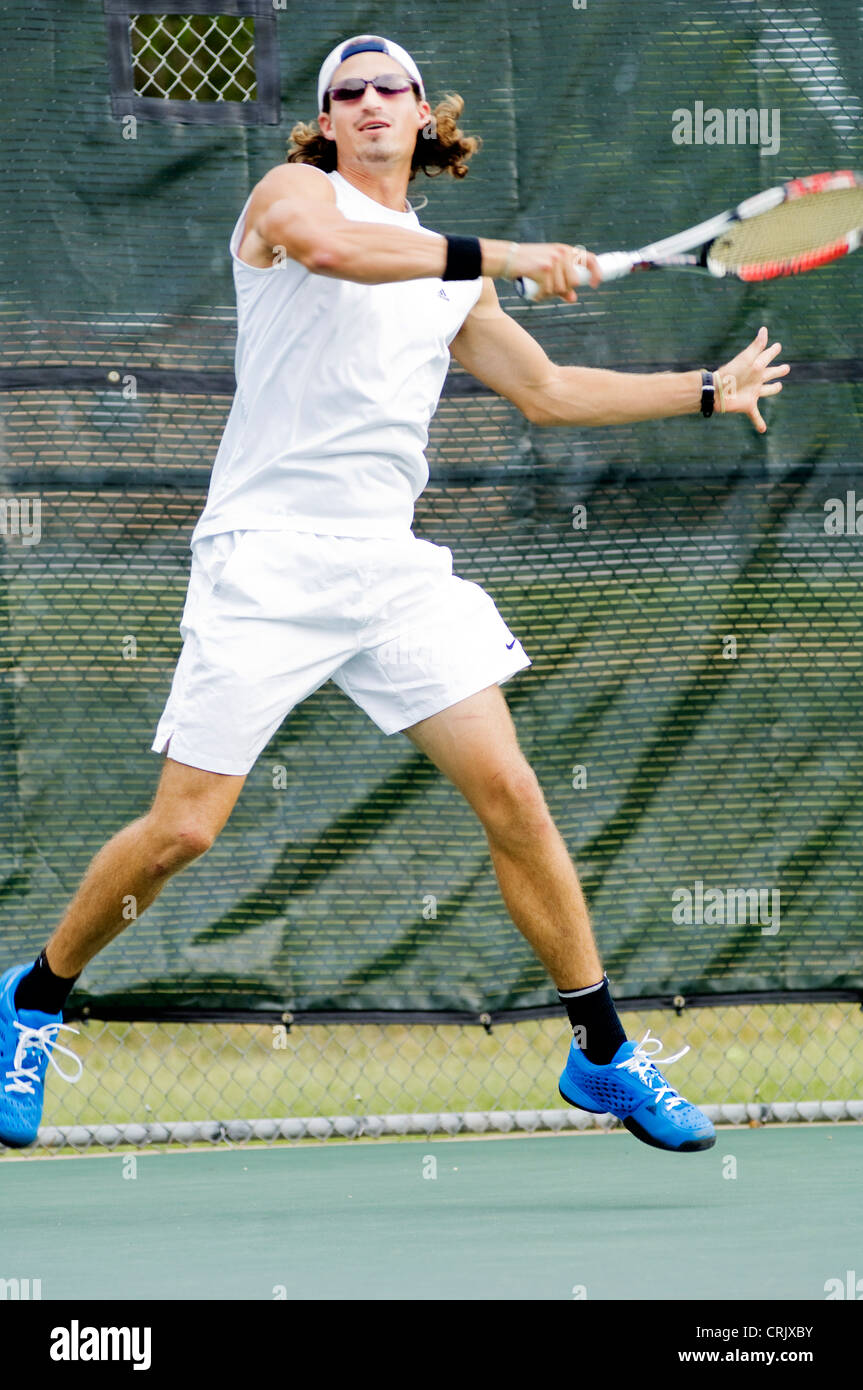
{"points": [[643, 1065], [37, 1040]]}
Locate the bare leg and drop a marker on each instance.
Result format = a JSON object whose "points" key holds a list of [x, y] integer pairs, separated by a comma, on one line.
{"points": [[474, 744], [128, 873]]}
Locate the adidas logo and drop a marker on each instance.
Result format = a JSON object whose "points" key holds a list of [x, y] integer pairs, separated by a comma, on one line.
{"points": [[442, 294]]}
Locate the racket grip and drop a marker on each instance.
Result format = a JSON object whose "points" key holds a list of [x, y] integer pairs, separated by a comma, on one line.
{"points": [[529, 289], [612, 265]]}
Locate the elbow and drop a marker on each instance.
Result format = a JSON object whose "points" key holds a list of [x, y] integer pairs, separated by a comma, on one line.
{"points": [[540, 400], [547, 409], [534, 409], [321, 258], [293, 232], [316, 249]]}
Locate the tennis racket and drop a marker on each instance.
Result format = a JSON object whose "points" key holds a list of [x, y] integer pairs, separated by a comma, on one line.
{"points": [[785, 230]]}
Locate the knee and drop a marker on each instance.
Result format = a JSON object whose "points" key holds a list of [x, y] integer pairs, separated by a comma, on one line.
{"points": [[174, 846], [512, 807]]}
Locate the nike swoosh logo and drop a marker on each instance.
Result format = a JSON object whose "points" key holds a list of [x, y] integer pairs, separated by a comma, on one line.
{"points": [[510, 645]]}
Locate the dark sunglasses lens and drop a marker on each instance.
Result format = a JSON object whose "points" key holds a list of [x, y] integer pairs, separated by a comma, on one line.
{"points": [[390, 86], [348, 90]]}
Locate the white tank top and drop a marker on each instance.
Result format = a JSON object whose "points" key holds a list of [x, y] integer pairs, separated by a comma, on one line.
{"points": [[336, 385]]}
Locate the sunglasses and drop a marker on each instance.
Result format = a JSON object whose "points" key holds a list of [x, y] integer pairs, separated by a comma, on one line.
{"points": [[388, 85]]}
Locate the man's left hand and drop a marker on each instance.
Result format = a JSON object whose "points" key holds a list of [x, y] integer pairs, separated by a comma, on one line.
{"points": [[748, 377]]}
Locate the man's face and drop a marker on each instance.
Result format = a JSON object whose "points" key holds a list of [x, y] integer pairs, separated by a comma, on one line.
{"points": [[374, 129]]}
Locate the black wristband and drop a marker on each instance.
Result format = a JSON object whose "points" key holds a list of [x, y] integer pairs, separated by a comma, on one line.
{"points": [[708, 393], [463, 258]]}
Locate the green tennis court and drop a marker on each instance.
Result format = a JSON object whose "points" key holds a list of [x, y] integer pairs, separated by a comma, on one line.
{"points": [[543, 1217]]}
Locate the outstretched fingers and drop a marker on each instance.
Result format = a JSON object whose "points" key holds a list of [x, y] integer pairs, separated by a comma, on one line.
{"points": [[757, 419], [758, 344], [768, 355]]}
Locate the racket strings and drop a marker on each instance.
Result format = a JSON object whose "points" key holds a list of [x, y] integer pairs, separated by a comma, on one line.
{"points": [[791, 234]]}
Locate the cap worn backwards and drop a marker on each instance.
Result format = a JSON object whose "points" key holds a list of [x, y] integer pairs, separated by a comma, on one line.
{"points": [[365, 43]]}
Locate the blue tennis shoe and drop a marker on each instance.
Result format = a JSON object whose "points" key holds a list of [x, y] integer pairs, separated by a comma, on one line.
{"points": [[633, 1088], [28, 1041]]}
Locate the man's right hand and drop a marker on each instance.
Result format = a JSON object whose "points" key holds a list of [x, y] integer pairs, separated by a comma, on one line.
{"points": [[552, 265]]}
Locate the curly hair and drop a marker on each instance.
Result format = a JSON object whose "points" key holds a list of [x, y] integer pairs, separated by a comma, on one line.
{"points": [[441, 147]]}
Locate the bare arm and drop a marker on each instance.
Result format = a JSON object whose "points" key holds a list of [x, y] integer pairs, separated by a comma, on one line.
{"points": [[500, 353], [503, 355], [293, 213]]}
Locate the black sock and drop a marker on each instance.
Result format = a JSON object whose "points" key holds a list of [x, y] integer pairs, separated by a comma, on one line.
{"points": [[596, 1028], [42, 990]]}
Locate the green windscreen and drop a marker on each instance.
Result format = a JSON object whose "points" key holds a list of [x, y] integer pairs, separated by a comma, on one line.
{"points": [[689, 591]]}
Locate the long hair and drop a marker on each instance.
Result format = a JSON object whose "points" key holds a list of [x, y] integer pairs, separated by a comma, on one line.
{"points": [[441, 147]]}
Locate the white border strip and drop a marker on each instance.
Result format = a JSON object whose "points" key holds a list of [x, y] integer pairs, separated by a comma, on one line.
{"points": [[381, 1126]]}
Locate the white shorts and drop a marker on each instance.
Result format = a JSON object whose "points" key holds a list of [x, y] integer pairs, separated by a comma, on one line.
{"points": [[270, 616]]}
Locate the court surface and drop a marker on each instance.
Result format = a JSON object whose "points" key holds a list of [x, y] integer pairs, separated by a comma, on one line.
{"points": [[541, 1217]]}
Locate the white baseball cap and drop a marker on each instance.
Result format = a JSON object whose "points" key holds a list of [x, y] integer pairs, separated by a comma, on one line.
{"points": [[364, 43]]}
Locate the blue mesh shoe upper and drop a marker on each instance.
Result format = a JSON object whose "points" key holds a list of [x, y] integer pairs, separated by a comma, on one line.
{"points": [[633, 1088], [28, 1042]]}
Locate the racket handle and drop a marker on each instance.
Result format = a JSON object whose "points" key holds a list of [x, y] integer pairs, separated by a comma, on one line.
{"points": [[612, 265]]}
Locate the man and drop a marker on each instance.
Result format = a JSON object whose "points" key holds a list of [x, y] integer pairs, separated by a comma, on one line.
{"points": [[305, 567]]}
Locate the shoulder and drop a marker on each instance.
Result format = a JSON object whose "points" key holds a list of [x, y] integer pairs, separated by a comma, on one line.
{"points": [[291, 181], [301, 183]]}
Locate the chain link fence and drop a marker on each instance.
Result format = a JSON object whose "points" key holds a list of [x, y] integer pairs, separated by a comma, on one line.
{"points": [[193, 57], [177, 1084]]}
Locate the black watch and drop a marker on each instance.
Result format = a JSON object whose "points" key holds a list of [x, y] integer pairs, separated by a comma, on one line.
{"points": [[708, 393]]}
